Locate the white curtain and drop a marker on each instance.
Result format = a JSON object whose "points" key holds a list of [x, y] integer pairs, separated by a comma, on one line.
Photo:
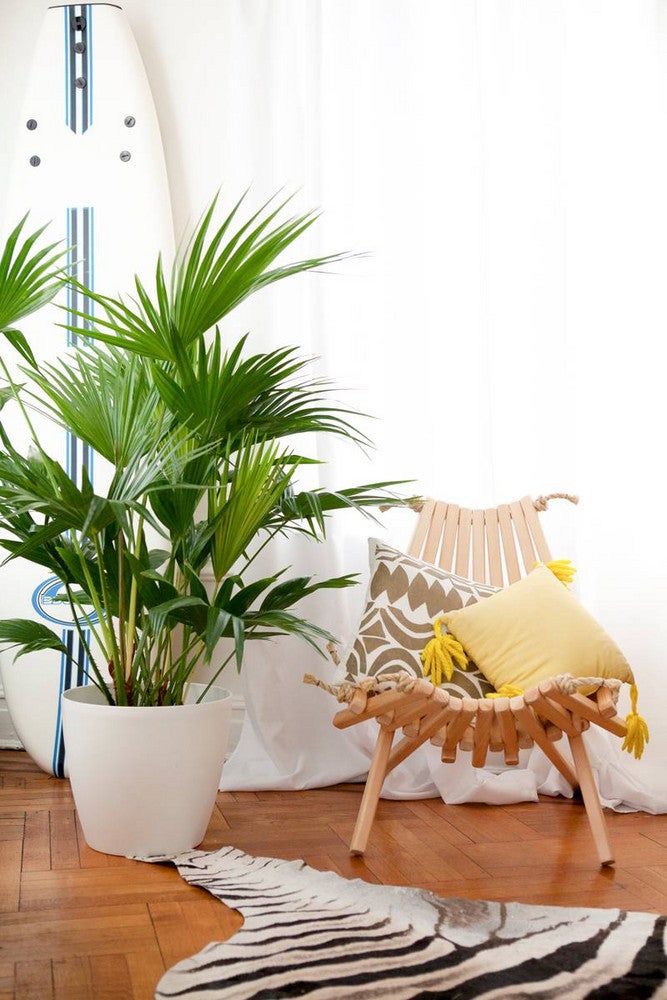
{"points": [[502, 164]]}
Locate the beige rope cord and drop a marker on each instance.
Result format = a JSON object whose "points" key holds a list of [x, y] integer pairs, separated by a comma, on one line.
{"points": [[346, 690], [332, 650], [416, 504], [570, 685], [542, 502], [403, 681]]}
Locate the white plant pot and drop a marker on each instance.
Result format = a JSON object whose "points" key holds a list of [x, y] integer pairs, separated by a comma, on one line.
{"points": [[32, 689], [144, 780]]}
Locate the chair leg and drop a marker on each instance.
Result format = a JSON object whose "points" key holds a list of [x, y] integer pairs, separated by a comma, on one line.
{"points": [[592, 804], [374, 782]]}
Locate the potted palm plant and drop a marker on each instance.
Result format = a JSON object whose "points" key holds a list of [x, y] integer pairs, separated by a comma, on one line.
{"points": [[159, 568]]}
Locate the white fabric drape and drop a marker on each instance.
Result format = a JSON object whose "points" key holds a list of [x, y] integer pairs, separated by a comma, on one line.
{"points": [[501, 164], [504, 176]]}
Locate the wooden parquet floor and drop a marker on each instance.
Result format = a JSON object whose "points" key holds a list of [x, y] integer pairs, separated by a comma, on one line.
{"points": [[79, 925]]}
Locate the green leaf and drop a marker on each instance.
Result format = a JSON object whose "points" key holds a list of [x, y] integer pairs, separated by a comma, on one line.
{"points": [[190, 611], [29, 279], [29, 636], [245, 597], [19, 342], [288, 593], [6, 395], [217, 624]]}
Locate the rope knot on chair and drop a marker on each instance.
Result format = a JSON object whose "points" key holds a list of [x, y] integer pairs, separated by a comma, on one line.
{"points": [[542, 502], [356, 691], [344, 692], [571, 685]]}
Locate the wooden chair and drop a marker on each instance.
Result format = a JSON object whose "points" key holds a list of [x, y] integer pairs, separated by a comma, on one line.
{"points": [[494, 546]]}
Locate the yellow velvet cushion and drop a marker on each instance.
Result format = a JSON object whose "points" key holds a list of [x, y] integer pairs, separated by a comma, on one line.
{"points": [[535, 629]]}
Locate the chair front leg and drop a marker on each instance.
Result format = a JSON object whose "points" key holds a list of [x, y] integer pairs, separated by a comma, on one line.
{"points": [[374, 782]]}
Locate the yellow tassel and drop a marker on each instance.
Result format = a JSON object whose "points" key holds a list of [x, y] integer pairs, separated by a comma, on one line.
{"points": [[637, 735], [563, 570], [441, 655], [505, 691]]}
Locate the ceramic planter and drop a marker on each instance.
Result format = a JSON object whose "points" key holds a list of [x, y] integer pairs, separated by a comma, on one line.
{"points": [[144, 780]]}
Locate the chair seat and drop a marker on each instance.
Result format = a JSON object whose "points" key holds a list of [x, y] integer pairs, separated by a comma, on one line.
{"points": [[424, 712]]}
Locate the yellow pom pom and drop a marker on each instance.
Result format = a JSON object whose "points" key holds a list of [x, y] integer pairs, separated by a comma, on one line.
{"points": [[637, 735], [563, 570], [441, 655], [505, 691]]}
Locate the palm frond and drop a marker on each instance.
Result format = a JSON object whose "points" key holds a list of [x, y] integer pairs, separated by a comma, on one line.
{"points": [[29, 636], [29, 278], [214, 273]]}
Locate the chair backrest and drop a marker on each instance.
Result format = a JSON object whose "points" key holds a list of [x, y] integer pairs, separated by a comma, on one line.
{"points": [[496, 545]]}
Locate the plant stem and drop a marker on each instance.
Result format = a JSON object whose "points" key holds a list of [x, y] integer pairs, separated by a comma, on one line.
{"points": [[121, 602], [216, 675], [132, 610], [119, 676]]}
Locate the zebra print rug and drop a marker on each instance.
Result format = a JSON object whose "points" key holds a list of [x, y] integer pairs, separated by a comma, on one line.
{"points": [[315, 934]]}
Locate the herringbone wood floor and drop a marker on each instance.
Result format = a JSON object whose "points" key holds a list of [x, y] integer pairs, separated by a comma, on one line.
{"points": [[78, 925]]}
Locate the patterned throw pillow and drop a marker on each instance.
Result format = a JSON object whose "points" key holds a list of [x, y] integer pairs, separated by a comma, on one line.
{"points": [[405, 596]]}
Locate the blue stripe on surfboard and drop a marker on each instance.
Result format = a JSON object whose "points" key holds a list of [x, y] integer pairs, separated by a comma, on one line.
{"points": [[78, 101], [58, 760], [87, 307], [67, 53], [80, 238], [67, 661], [89, 63], [79, 224]]}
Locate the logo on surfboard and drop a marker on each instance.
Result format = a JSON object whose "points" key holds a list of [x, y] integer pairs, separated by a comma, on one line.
{"points": [[49, 600]]}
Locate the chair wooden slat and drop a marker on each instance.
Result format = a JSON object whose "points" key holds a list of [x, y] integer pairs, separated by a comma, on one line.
{"points": [[551, 711], [375, 706], [457, 727], [523, 536], [416, 546], [605, 702], [507, 730], [467, 741], [478, 547], [535, 528], [434, 536], [495, 577], [449, 537], [526, 742], [462, 567], [412, 710], [509, 549], [589, 710], [496, 744], [408, 745], [530, 724], [482, 733]]}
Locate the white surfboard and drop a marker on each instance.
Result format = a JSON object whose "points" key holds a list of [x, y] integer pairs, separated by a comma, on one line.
{"points": [[89, 160]]}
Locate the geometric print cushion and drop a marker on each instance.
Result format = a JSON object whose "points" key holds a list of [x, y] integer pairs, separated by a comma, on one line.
{"points": [[405, 596]]}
